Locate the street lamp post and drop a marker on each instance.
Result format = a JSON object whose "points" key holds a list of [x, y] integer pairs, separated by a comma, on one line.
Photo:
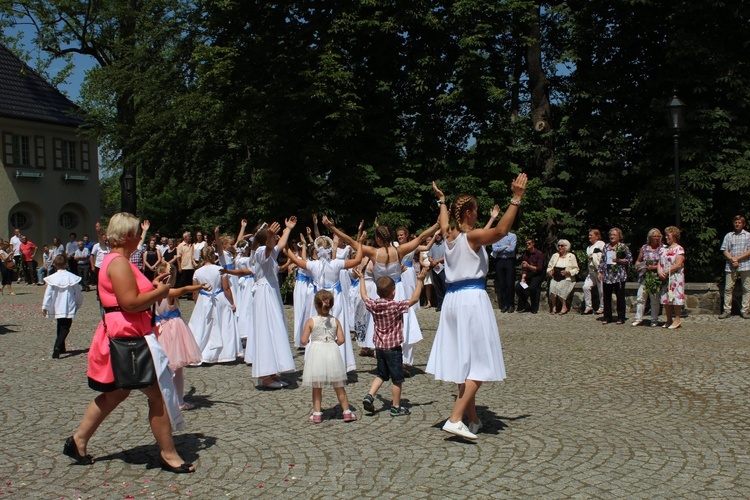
{"points": [[676, 109], [127, 186]]}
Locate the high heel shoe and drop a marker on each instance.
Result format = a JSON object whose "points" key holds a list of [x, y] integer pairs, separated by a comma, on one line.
{"points": [[182, 469], [674, 326], [71, 449]]}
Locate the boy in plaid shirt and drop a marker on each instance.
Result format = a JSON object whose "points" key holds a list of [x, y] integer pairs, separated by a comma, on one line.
{"points": [[388, 316]]}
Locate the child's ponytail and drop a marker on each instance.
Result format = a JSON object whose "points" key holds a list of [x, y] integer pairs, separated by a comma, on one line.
{"points": [[323, 302]]}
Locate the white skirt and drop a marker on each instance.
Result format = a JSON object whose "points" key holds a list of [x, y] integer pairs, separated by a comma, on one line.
{"points": [[303, 299], [215, 329], [339, 312], [323, 366], [467, 342], [412, 331], [272, 353]]}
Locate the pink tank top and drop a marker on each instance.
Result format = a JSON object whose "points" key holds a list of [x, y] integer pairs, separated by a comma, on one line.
{"points": [[119, 324]]}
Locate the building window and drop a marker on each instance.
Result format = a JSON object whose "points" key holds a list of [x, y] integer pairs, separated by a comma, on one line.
{"points": [[65, 155], [41, 158], [68, 220], [21, 156], [20, 220]]}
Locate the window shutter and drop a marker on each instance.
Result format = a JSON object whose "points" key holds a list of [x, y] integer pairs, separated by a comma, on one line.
{"points": [[39, 148], [58, 160], [85, 164], [8, 149]]}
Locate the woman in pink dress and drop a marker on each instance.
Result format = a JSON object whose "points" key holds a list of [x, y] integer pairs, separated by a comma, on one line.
{"points": [[126, 296], [174, 334]]}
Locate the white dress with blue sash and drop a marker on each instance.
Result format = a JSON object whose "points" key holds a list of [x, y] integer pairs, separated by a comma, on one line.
{"points": [[467, 342]]}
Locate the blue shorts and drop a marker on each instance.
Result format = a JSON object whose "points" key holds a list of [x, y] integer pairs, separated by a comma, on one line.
{"points": [[390, 364]]}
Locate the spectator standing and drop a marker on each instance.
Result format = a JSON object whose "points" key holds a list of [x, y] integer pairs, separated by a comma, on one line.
{"points": [[70, 251], [97, 256], [57, 247], [28, 251], [504, 253], [736, 250], [613, 273], [200, 243], [163, 245], [83, 265], [672, 271], [186, 256], [15, 243], [594, 256], [532, 276]]}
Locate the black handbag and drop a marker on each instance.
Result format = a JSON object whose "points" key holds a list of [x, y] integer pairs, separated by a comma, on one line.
{"points": [[131, 360]]}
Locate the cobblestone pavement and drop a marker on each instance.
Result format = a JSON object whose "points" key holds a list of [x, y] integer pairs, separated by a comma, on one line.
{"points": [[587, 411]]}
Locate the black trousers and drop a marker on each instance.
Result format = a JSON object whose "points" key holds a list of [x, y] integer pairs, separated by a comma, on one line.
{"points": [[530, 292], [185, 278], [619, 290], [63, 329], [29, 271], [438, 283], [505, 277]]}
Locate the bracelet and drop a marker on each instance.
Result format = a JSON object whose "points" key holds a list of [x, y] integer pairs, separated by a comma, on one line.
{"points": [[440, 202], [515, 202]]}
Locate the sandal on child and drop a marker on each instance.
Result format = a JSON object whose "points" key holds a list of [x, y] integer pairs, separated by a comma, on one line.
{"points": [[316, 417], [349, 416]]}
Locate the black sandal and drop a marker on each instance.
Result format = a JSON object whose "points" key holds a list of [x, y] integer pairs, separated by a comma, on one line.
{"points": [[71, 449], [182, 469]]}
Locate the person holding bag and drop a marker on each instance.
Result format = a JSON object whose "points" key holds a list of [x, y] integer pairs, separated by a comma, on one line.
{"points": [[127, 297]]}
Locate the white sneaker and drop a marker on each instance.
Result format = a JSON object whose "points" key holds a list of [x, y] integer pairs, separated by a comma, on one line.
{"points": [[459, 429], [474, 428]]}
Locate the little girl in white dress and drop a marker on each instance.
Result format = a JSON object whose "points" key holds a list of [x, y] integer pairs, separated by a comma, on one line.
{"points": [[324, 366]]}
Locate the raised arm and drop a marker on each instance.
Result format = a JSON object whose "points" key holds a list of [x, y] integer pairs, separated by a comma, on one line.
{"points": [[315, 225], [241, 234], [493, 215], [481, 237], [296, 260], [349, 263], [443, 219], [367, 251], [144, 229], [218, 245], [288, 226], [412, 245], [99, 233]]}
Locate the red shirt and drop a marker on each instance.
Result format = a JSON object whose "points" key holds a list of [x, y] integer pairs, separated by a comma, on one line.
{"points": [[27, 249], [388, 316]]}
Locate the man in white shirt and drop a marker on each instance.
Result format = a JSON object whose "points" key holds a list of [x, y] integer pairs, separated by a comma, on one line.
{"points": [[83, 265], [70, 250], [96, 257], [163, 245], [736, 250], [15, 242]]}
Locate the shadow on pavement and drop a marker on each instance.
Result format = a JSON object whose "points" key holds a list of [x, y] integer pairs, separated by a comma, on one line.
{"points": [[188, 446], [4, 329]]}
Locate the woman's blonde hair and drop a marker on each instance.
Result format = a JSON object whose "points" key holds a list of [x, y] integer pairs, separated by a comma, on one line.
{"points": [[674, 232], [654, 232], [618, 231], [121, 226], [209, 254]]}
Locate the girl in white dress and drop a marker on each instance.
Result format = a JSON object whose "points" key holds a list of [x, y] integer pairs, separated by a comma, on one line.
{"points": [[244, 265], [213, 323], [467, 347], [304, 291], [272, 355], [323, 364], [173, 333], [387, 262], [326, 275]]}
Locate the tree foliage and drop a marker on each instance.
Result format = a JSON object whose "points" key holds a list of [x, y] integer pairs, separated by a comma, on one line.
{"points": [[252, 109]]}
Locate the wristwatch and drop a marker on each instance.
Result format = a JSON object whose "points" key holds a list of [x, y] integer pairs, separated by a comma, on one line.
{"points": [[440, 202]]}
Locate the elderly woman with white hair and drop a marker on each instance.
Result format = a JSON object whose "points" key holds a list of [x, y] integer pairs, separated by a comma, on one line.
{"points": [[562, 268]]}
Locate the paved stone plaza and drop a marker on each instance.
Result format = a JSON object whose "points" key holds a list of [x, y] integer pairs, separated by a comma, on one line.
{"points": [[587, 411]]}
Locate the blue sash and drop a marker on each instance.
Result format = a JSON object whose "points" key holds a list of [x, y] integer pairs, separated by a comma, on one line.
{"points": [[168, 315], [213, 293], [336, 287], [355, 282], [229, 266], [303, 279], [409, 263], [473, 284]]}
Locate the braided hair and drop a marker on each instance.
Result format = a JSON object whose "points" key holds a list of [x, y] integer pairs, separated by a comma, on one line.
{"points": [[458, 208], [384, 234]]}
